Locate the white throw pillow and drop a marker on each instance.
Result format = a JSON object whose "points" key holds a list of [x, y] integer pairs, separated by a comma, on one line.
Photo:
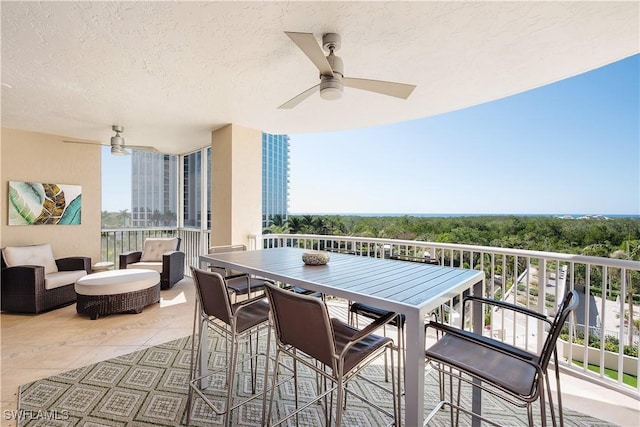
{"points": [[155, 247], [31, 255]]}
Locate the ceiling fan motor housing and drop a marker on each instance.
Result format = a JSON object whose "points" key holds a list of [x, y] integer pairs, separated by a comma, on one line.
{"points": [[331, 87], [117, 141]]}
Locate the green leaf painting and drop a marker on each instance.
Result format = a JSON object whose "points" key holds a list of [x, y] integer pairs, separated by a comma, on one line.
{"points": [[33, 203], [71, 214]]}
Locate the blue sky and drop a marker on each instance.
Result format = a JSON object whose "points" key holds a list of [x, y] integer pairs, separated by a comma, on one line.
{"points": [[569, 147], [116, 181]]}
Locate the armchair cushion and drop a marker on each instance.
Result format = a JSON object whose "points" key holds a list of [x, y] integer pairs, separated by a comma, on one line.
{"points": [[31, 255], [154, 248], [62, 278], [155, 266], [33, 288], [161, 255]]}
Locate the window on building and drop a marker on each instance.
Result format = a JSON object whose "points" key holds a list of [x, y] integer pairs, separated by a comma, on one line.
{"points": [[192, 188], [154, 189]]}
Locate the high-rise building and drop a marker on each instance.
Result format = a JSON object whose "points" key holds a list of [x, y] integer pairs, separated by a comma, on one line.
{"points": [[154, 192], [275, 177], [153, 189], [192, 189]]}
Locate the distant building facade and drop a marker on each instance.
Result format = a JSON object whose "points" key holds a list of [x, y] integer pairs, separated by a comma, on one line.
{"points": [[192, 189], [153, 189], [275, 177], [154, 185]]}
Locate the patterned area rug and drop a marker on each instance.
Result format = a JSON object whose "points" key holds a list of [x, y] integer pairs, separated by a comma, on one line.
{"points": [[149, 388]]}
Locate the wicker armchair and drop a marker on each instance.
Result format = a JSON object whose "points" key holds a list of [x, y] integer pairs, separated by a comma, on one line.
{"points": [[160, 254], [28, 288]]}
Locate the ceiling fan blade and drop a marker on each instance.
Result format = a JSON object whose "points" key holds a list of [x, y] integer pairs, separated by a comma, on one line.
{"points": [[399, 90], [308, 44], [141, 148], [299, 98], [80, 141]]}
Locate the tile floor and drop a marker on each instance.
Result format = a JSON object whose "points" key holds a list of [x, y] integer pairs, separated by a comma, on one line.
{"points": [[37, 346]]}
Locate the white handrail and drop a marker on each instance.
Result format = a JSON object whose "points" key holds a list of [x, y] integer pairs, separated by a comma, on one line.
{"points": [[513, 274]]}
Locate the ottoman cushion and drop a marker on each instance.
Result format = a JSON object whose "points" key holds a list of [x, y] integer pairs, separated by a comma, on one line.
{"points": [[117, 291], [116, 282]]}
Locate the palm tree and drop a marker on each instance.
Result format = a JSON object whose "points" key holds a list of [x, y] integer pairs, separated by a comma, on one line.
{"points": [[278, 220], [307, 223], [276, 229], [277, 225], [124, 216], [320, 226], [156, 217], [295, 224], [168, 218], [104, 218]]}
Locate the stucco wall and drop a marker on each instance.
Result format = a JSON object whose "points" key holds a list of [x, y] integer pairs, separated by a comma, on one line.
{"points": [[236, 185], [38, 157]]}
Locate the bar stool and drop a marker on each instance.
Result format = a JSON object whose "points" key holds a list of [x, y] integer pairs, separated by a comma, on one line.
{"points": [[303, 328], [237, 283], [235, 322], [358, 309]]}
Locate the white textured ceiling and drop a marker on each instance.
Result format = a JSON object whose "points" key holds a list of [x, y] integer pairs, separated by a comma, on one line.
{"points": [[170, 72]]}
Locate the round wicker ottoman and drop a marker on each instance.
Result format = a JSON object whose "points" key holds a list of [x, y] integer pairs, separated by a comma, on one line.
{"points": [[117, 291]]}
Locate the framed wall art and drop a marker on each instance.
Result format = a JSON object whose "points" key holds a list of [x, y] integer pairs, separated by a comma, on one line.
{"points": [[34, 203]]}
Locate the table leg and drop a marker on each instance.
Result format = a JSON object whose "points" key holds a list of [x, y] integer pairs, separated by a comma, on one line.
{"points": [[204, 352], [414, 379], [476, 401], [204, 342]]}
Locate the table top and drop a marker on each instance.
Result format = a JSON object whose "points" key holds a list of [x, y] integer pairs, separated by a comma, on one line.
{"points": [[388, 284]]}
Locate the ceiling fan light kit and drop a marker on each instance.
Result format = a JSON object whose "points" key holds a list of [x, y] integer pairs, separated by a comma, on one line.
{"points": [[119, 151], [331, 68], [331, 89]]}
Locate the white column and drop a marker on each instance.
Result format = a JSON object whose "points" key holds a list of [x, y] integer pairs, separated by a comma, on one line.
{"points": [[236, 187]]}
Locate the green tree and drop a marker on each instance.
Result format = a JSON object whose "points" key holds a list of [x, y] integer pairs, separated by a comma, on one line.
{"points": [[169, 218], [277, 225], [125, 217], [156, 217], [277, 220], [308, 224], [295, 225]]}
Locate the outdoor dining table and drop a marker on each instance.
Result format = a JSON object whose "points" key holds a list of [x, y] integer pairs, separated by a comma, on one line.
{"points": [[410, 288]]}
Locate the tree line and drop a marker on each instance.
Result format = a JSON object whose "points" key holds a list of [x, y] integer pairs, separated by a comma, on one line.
{"points": [[587, 236], [614, 238], [123, 218]]}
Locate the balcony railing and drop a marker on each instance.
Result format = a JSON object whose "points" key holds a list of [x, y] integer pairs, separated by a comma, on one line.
{"points": [[534, 279], [114, 242], [604, 343]]}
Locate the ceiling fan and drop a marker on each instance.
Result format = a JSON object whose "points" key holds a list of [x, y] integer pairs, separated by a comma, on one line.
{"points": [[332, 79], [118, 147]]}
